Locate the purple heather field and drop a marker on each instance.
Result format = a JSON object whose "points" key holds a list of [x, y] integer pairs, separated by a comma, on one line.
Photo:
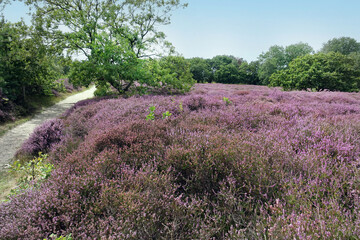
{"points": [[265, 164]]}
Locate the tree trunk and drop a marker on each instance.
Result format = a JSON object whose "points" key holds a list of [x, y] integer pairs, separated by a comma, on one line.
{"points": [[127, 87]]}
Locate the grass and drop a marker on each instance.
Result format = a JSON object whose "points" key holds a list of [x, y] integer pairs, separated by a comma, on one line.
{"points": [[8, 181]]}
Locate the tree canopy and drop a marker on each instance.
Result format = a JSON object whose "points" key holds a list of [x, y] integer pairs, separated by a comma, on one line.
{"points": [[344, 45], [224, 69], [201, 69], [113, 36], [250, 72], [332, 71], [25, 62], [278, 58]]}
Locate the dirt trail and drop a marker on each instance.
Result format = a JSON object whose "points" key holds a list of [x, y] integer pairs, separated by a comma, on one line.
{"points": [[12, 140]]}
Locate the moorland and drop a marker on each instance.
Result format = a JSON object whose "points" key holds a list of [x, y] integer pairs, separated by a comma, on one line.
{"points": [[222, 162]]}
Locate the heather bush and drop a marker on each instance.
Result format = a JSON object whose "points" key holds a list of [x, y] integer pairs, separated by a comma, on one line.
{"points": [[43, 138], [268, 165], [84, 103]]}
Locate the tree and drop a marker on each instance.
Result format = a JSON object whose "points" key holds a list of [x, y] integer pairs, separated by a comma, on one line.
{"points": [[249, 71], [225, 69], [344, 45], [332, 71], [201, 70], [25, 62], [270, 62], [220, 60], [278, 58], [113, 36], [175, 73], [297, 50], [356, 57], [229, 73]]}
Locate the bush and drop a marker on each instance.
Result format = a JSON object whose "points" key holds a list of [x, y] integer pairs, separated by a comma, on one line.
{"points": [[43, 138]]}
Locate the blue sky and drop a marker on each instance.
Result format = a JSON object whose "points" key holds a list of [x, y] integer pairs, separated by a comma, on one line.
{"points": [[246, 28]]}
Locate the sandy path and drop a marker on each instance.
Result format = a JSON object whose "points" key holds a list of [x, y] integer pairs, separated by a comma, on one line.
{"points": [[12, 140]]}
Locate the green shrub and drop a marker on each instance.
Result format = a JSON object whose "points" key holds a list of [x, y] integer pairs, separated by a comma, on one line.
{"points": [[151, 115], [35, 170], [54, 237]]}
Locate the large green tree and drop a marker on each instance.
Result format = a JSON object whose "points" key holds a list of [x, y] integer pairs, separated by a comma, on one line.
{"points": [[344, 45], [201, 69], [225, 69], [175, 71], [332, 71], [297, 50], [229, 73], [270, 62], [113, 36], [25, 62], [221, 60], [278, 58], [249, 72]]}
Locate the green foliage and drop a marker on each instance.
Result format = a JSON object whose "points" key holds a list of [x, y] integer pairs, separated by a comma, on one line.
{"points": [[113, 36], [270, 62], [296, 50], [344, 45], [151, 115], [278, 58], [249, 71], [224, 69], [103, 90], [221, 60], [166, 114], [356, 58], [201, 70], [26, 62], [333, 71], [181, 108], [229, 73], [171, 73], [54, 237], [227, 101], [36, 169], [110, 64]]}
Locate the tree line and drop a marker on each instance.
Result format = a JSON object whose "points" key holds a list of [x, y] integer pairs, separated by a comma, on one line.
{"points": [[295, 67]]}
